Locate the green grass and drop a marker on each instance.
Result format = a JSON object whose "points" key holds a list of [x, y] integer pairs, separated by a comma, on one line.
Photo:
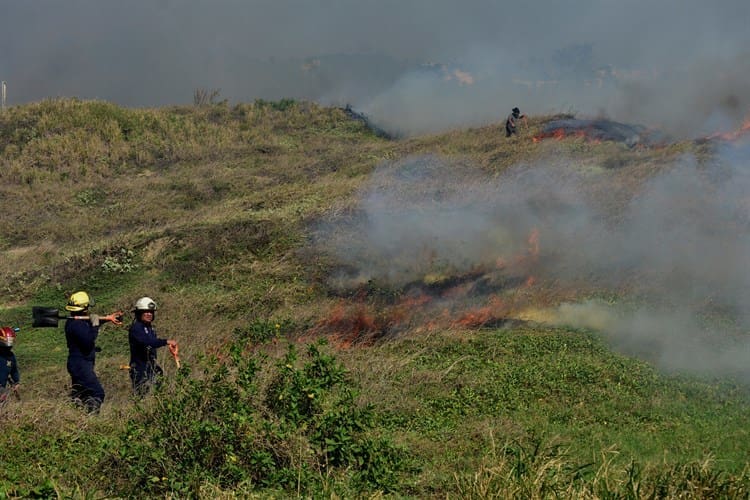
{"points": [[209, 210], [560, 384]]}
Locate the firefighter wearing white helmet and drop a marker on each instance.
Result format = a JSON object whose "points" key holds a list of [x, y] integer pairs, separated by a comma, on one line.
{"points": [[144, 369], [145, 304]]}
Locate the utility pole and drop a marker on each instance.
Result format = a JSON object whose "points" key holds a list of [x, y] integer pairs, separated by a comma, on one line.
{"points": [[3, 100]]}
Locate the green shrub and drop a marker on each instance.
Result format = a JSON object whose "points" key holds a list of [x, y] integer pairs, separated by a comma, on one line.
{"points": [[263, 331], [44, 490], [228, 429], [121, 261]]}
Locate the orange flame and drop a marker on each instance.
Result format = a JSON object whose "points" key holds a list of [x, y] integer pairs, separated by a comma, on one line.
{"points": [[362, 320], [560, 134], [348, 325], [408, 305], [475, 318], [534, 243], [743, 130], [530, 255]]}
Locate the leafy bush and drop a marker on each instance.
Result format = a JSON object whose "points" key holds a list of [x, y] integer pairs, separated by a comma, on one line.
{"points": [[44, 490], [121, 261], [229, 429], [263, 331]]}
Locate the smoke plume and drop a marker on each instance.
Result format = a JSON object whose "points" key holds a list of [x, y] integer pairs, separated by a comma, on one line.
{"points": [[414, 67], [674, 251]]}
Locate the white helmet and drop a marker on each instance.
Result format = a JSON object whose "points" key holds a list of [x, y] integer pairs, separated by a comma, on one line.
{"points": [[145, 304]]}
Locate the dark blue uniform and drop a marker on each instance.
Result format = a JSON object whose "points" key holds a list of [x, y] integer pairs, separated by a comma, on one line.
{"points": [[81, 338], [8, 367], [143, 367], [510, 124], [8, 370]]}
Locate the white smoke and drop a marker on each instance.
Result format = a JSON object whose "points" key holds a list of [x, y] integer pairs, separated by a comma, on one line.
{"points": [[675, 251], [678, 64]]}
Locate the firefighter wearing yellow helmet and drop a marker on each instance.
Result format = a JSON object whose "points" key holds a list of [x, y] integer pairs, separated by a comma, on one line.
{"points": [[81, 331], [144, 369], [78, 302]]}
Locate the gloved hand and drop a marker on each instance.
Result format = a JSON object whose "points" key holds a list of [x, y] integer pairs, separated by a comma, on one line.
{"points": [[94, 319]]}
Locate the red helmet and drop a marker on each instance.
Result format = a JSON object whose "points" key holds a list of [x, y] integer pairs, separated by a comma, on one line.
{"points": [[7, 336]]}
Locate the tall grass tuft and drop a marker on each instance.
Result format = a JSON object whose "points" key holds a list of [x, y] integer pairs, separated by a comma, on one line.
{"points": [[538, 470]]}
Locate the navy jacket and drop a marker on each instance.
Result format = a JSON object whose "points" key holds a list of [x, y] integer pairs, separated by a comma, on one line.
{"points": [[143, 344], [81, 338], [8, 367]]}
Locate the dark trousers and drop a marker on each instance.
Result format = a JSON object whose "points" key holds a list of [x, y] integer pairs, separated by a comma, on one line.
{"points": [[144, 376], [86, 390]]}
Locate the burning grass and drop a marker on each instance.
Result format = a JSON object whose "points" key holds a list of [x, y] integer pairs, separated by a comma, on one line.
{"points": [[598, 130], [474, 300], [482, 296]]}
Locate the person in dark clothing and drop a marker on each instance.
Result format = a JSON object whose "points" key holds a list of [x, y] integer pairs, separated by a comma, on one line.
{"points": [[144, 369], [81, 331], [511, 122], [9, 373]]}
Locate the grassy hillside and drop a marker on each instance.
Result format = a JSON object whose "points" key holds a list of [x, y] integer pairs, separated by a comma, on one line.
{"points": [[237, 220]]}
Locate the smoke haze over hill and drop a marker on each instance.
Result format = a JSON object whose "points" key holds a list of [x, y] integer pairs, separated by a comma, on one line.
{"points": [[414, 67], [678, 246]]}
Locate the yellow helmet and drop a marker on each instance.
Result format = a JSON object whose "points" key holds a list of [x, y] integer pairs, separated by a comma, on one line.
{"points": [[79, 301]]}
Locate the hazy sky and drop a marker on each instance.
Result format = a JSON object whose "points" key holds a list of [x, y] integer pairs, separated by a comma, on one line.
{"points": [[695, 55]]}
